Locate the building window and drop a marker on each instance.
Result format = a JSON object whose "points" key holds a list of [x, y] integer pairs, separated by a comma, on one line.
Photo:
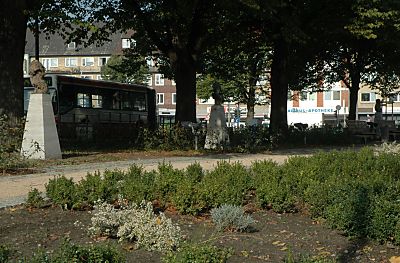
{"points": [[97, 101], [71, 45], [50, 62], [83, 100], [103, 61], [128, 43], [303, 95], [332, 95], [86, 77], [159, 79], [87, 62], [150, 62], [160, 98], [99, 77], [173, 82], [368, 97], [149, 80], [393, 98], [289, 96], [71, 62], [173, 98]]}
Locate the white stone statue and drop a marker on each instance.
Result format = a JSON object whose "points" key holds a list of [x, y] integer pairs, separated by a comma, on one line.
{"points": [[217, 136]]}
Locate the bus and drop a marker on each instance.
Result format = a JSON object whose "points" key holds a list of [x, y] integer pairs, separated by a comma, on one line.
{"points": [[97, 110]]}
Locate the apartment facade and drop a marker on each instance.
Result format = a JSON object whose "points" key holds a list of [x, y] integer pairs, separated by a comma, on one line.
{"points": [[311, 108]]}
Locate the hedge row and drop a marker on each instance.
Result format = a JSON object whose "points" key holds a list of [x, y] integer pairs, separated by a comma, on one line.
{"points": [[357, 192]]}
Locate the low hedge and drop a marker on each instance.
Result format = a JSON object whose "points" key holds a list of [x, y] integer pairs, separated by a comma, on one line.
{"points": [[354, 191]]}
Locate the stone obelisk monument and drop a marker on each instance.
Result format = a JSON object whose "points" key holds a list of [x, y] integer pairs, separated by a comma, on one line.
{"points": [[40, 135]]}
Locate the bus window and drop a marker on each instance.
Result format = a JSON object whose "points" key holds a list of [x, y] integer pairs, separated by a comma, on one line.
{"points": [[53, 94], [126, 101], [116, 101], [27, 95], [140, 102], [83, 100], [97, 101]]}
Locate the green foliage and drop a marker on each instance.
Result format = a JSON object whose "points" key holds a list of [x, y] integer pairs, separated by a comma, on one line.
{"points": [[166, 182], [35, 198], [273, 188], [194, 253], [250, 139], [138, 185], [69, 252], [231, 218], [186, 198], [172, 138], [126, 69], [228, 183], [307, 259], [11, 133], [62, 191], [5, 253]]}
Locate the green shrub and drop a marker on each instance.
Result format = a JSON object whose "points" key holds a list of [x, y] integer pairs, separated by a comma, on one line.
{"points": [[11, 133], [62, 191], [166, 182], [250, 139], [308, 259], [350, 210], [231, 218], [194, 253], [138, 185], [385, 214], [5, 253], [226, 184], [69, 252], [172, 138], [90, 189], [186, 198], [35, 199], [273, 188]]}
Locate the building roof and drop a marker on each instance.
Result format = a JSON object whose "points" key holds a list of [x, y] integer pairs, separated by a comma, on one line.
{"points": [[54, 45]]}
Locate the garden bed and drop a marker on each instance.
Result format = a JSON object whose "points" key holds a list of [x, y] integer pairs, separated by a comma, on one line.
{"points": [[274, 236]]}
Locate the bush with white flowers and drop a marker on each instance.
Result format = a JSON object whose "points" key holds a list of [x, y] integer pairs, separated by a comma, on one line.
{"points": [[136, 223]]}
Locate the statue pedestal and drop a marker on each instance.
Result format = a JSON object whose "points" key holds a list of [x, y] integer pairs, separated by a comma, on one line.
{"points": [[217, 135], [40, 135]]}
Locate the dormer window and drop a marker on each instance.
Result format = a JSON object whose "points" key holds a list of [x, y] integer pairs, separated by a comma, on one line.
{"points": [[128, 43], [71, 45]]}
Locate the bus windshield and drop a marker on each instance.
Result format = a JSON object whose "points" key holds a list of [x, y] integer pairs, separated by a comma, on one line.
{"points": [[27, 94]]}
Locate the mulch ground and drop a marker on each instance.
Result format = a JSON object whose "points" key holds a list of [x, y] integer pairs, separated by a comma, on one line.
{"points": [[274, 236]]}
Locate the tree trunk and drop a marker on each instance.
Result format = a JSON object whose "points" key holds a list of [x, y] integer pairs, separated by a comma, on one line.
{"points": [[354, 88], [279, 88], [185, 77], [12, 44]]}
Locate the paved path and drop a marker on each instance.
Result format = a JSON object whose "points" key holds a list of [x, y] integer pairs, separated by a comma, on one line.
{"points": [[14, 189]]}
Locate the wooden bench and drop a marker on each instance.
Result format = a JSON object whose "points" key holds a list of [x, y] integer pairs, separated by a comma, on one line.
{"points": [[360, 129]]}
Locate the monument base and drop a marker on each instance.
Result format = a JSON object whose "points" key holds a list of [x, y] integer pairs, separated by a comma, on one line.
{"points": [[217, 136], [40, 139]]}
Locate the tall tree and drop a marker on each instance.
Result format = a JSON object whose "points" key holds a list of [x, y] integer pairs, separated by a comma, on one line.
{"points": [[174, 32], [239, 59], [358, 47], [15, 16], [131, 69], [13, 24]]}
